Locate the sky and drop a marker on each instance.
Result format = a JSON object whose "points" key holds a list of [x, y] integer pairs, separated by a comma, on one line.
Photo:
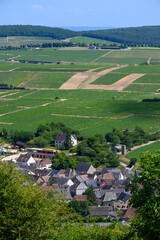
{"points": [[87, 13]]}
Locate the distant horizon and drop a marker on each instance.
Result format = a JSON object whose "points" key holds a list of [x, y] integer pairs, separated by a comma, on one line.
{"points": [[80, 28]]}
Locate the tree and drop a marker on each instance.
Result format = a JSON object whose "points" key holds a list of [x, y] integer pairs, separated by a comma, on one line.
{"points": [[26, 212], [80, 207], [62, 161], [145, 191], [91, 195]]}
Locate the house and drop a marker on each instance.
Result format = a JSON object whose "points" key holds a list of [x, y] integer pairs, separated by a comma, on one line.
{"points": [[26, 159], [61, 139], [85, 168], [117, 174], [130, 213], [110, 196], [104, 211], [124, 197], [92, 47], [64, 182], [81, 188], [43, 164], [81, 198], [107, 178]]}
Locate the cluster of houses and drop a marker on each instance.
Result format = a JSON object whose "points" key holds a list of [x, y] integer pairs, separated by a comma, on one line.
{"points": [[110, 185]]}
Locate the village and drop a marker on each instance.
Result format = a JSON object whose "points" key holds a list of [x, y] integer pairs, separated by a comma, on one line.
{"points": [[110, 185]]}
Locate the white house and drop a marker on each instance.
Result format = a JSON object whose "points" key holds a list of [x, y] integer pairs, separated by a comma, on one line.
{"points": [[25, 158], [61, 138], [81, 188]]}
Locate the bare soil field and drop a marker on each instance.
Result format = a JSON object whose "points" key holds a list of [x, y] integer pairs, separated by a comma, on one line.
{"points": [[119, 85], [82, 80], [75, 81]]}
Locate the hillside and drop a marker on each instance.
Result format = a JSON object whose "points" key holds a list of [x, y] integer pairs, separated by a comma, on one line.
{"points": [[135, 35], [35, 31], [138, 35]]}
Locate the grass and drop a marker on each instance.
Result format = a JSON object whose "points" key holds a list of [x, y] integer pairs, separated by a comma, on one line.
{"points": [[16, 41], [149, 79], [142, 88], [148, 69], [109, 78], [104, 109], [48, 80], [15, 78], [89, 40], [134, 53], [109, 59], [153, 147], [79, 103], [60, 55], [4, 66]]}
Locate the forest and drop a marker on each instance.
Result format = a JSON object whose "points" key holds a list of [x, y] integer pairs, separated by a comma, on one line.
{"points": [[134, 35]]}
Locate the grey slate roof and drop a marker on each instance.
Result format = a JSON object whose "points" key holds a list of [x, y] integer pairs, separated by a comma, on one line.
{"points": [[23, 158], [62, 181], [53, 172], [93, 183], [83, 167], [60, 137], [100, 211], [109, 196], [124, 197]]}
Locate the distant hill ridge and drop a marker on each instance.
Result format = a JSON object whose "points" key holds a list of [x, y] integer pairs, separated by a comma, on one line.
{"points": [[35, 31], [138, 35]]}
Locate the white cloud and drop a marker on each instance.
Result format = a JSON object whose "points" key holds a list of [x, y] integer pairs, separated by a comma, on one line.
{"points": [[37, 6]]}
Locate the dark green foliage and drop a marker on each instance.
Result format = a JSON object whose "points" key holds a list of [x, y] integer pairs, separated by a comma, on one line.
{"points": [[26, 212], [28, 30], [62, 161], [96, 150], [80, 207], [91, 195], [45, 134], [128, 137], [132, 162], [132, 35], [146, 197]]}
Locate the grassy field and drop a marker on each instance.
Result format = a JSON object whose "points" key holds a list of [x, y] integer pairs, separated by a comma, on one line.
{"points": [[16, 41], [134, 53], [147, 69], [108, 59], [15, 78], [142, 88], [149, 79], [154, 147], [88, 40], [48, 80], [129, 56], [109, 78], [53, 55], [90, 111]]}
